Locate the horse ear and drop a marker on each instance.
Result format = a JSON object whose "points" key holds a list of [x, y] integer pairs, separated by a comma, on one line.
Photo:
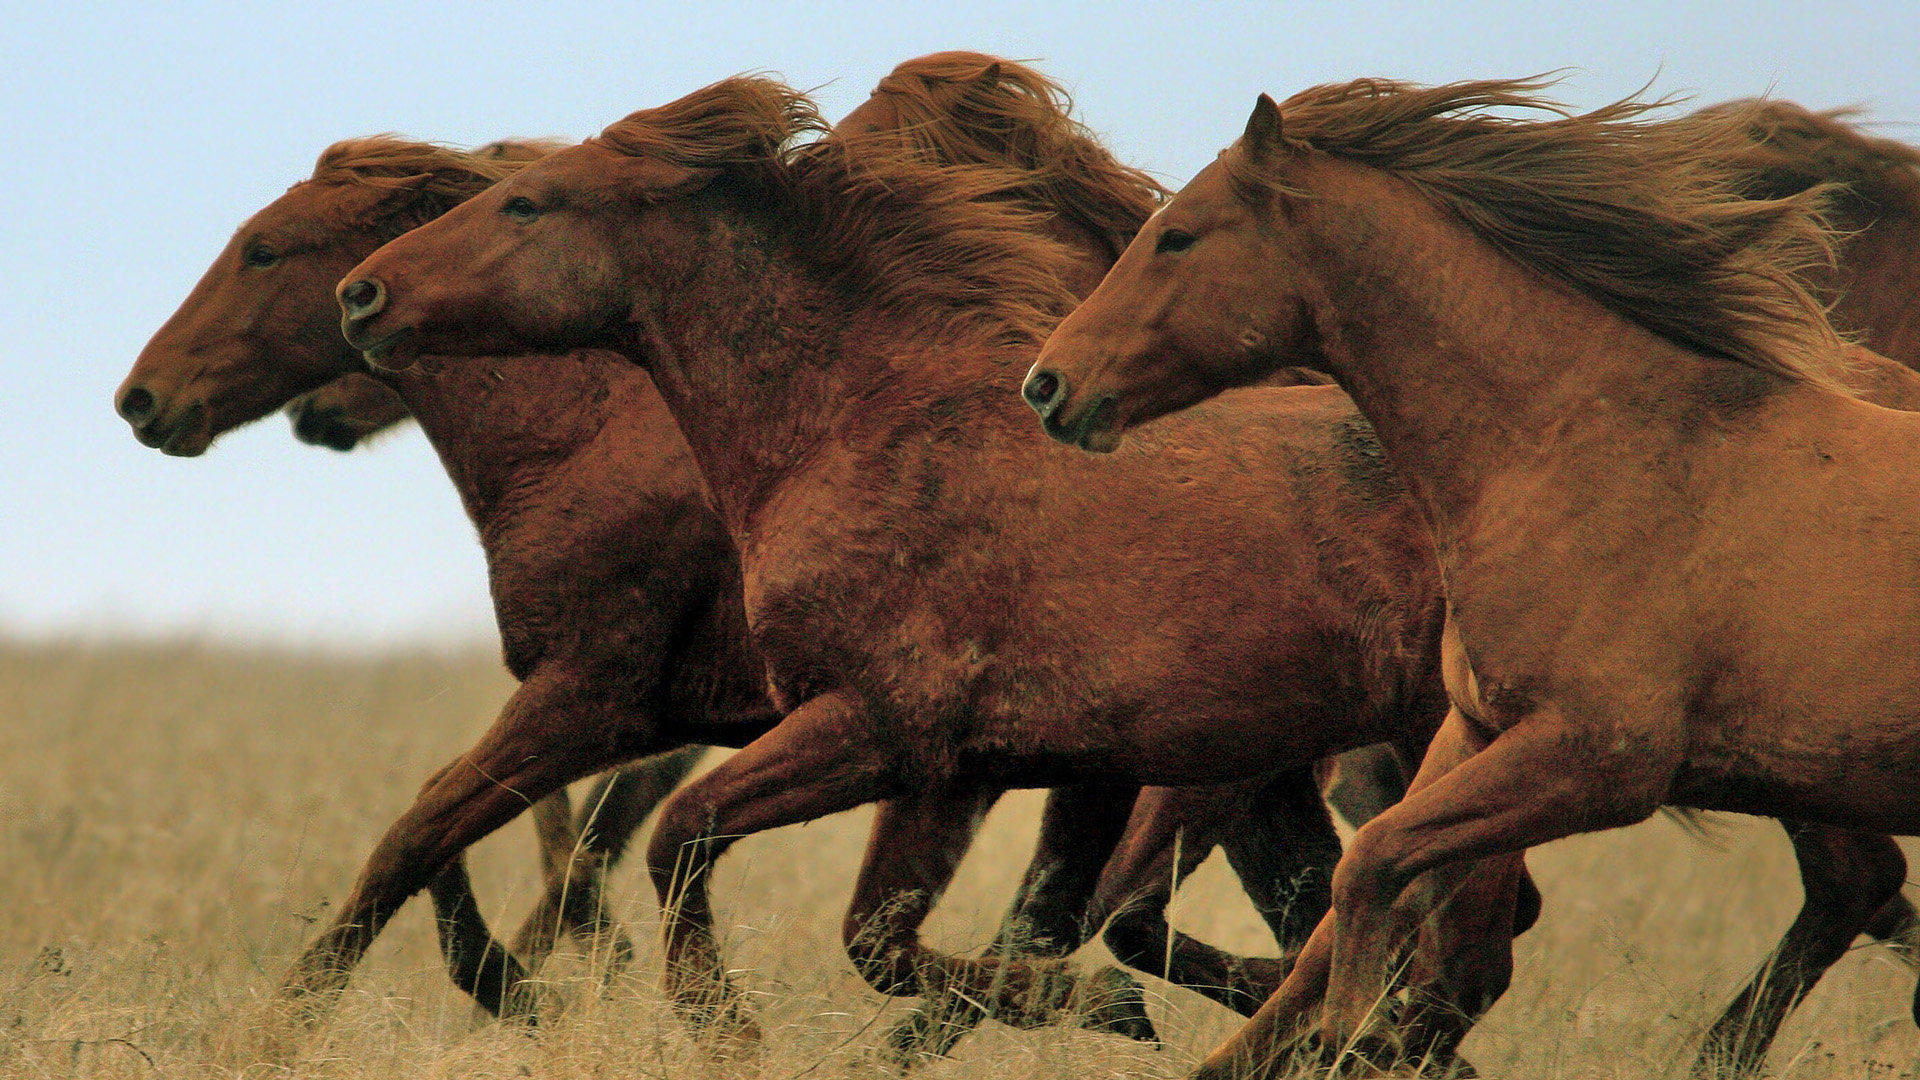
{"points": [[660, 179], [990, 76], [402, 196], [1263, 128]]}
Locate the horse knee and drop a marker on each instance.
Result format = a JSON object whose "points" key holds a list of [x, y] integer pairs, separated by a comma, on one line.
{"points": [[683, 843], [1371, 874]]}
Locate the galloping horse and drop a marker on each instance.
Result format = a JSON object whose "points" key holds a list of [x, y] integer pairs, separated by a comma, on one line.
{"points": [[1678, 563], [830, 324], [592, 479], [940, 599]]}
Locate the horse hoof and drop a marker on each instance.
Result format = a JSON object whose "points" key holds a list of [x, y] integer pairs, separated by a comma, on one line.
{"points": [[1110, 1000], [924, 1035]]}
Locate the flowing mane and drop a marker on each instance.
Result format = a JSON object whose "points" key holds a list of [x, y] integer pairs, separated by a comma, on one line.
{"points": [[1646, 215], [1793, 148], [969, 108], [943, 242], [444, 176]]}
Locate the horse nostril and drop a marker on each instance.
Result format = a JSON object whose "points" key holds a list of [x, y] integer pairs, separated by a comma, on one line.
{"points": [[360, 299], [1042, 391], [137, 405]]}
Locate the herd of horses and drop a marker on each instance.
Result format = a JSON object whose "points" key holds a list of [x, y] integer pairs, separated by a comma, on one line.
{"points": [[1602, 516]]}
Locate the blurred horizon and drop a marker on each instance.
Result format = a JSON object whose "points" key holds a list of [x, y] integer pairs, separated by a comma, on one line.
{"points": [[146, 133]]}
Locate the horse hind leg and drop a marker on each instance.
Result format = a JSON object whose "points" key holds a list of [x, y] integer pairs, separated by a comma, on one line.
{"points": [[1852, 884], [1079, 828], [578, 856]]}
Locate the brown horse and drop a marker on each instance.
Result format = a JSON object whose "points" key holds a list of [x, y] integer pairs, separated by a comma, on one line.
{"points": [[621, 650], [346, 412], [837, 334], [1578, 344], [327, 214]]}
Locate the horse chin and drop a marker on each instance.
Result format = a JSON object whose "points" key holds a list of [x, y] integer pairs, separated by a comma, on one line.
{"points": [[1100, 429], [393, 353], [1104, 441], [325, 427], [188, 436]]}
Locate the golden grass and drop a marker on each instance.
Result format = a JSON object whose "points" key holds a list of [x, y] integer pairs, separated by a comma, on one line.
{"points": [[174, 817]]}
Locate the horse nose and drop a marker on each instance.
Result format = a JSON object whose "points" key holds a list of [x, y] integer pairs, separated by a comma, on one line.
{"points": [[137, 405], [1044, 391], [362, 299]]}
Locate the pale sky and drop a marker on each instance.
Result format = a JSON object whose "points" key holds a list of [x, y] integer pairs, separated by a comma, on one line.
{"points": [[140, 135]]}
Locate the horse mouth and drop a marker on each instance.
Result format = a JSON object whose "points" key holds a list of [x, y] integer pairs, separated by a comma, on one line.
{"points": [[325, 427], [395, 351], [1097, 431], [188, 435]]}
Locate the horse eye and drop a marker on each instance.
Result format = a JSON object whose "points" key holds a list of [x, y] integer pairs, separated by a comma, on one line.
{"points": [[260, 255], [1174, 241], [520, 207]]}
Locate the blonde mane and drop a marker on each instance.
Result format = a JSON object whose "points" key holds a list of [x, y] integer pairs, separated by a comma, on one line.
{"points": [[443, 176], [952, 245], [1646, 215], [962, 108]]}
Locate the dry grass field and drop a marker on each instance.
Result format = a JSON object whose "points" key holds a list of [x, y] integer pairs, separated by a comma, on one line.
{"points": [[174, 817]]}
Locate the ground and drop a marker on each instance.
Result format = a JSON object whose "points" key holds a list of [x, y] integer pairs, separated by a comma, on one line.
{"points": [[175, 817]]}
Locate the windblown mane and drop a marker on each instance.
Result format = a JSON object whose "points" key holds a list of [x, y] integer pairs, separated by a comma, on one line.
{"points": [[960, 108], [939, 243], [1646, 215], [444, 176], [1793, 148]]}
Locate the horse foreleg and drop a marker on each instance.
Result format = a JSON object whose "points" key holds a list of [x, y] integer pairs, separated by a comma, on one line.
{"points": [[478, 964], [916, 846], [822, 759], [1171, 833], [543, 739], [574, 900], [1079, 828], [1848, 877], [1284, 850], [1541, 779]]}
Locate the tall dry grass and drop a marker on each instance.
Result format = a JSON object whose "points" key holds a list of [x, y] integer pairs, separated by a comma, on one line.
{"points": [[175, 817]]}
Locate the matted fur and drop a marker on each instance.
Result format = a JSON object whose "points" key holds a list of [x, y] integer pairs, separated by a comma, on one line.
{"points": [[874, 216], [970, 108], [445, 176], [1646, 215]]}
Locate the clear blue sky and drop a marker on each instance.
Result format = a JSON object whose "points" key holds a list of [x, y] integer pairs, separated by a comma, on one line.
{"points": [[140, 135]]}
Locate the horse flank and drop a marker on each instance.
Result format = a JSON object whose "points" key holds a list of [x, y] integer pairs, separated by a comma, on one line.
{"points": [[1646, 215]]}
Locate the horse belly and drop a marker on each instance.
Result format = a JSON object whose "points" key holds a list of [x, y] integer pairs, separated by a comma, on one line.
{"points": [[1861, 773]]}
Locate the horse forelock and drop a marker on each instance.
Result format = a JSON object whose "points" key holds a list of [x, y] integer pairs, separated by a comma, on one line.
{"points": [[443, 176], [958, 108], [953, 245], [1647, 215], [746, 123]]}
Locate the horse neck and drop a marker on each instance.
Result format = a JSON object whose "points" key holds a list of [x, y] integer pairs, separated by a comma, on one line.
{"points": [[764, 364], [1474, 368], [502, 423]]}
